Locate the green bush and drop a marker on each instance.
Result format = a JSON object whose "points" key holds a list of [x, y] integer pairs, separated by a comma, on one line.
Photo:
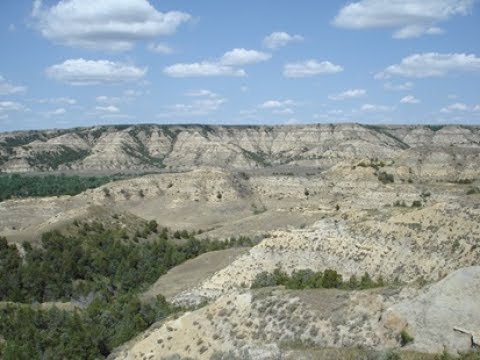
{"points": [[385, 177], [405, 338], [308, 279]]}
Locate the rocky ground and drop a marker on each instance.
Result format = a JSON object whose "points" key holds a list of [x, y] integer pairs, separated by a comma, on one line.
{"points": [[397, 202]]}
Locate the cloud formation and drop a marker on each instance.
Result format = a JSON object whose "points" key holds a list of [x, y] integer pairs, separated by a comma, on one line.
{"points": [[279, 39], [309, 68], [349, 94], [205, 102], [240, 56], [410, 18], [160, 48], [409, 99], [7, 88], [108, 24], [227, 65], [375, 108], [93, 72], [202, 69], [431, 65]]}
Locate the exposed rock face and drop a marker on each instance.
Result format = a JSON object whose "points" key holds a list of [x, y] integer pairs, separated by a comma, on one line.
{"points": [[154, 147], [433, 316], [251, 324]]}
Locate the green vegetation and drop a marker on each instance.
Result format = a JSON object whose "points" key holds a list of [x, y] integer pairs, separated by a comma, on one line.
{"points": [[308, 279], [405, 338], [473, 191], [470, 355], [97, 267], [385, 132], [385, 177], [51, 160], [19, 186]]}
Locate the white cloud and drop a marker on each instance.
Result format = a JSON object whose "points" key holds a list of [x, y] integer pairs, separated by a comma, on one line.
{"points": [[411, 18], [476, 108], [240, 56], [432, 64], [244, 88], [284, 111], [199, 107], [409, 99], [375, 108], [227, 65], [280, 38], [413, 31], [202, 69], [108, 109], [160, 48], [398, 87], [106, 24], [349, 94], [58, 100], [91, 72], [279, 107], [127, 96], [11, 28], [310, 68], [455, 107], [202, 93], [272, 104], [6, 106], [7, 88], [55, 112]]}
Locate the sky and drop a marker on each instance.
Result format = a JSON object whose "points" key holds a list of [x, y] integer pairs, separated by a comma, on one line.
{"points": [[76, 63]]}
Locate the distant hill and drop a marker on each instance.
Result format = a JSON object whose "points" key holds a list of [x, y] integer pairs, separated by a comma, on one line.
{"points": [[142, 148]]}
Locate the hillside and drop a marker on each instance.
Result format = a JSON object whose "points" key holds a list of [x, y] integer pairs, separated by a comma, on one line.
{"points": [[392, 213], [185, 147]]}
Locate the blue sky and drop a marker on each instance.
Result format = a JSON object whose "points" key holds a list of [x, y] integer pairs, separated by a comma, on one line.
{"points": [[87, 62]]}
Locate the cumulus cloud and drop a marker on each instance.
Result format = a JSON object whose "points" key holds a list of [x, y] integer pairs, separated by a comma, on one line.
{"points": [[7, 88], [240, 56], [280, 107], [7, 106], [202, 93], [108, 109], [160, 48], [410, 18], [271, 104], [398, 87], [310, 68], [55, 112], [456, 107], [409, 99], [92, 72], [107, 24], [280, 38], [202, 69], [375, 108], [431, 65], [227, 65], [349, 94]]}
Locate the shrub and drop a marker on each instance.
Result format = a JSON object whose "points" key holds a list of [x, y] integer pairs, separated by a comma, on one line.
{"points": [[405, 338], [385, 177]]}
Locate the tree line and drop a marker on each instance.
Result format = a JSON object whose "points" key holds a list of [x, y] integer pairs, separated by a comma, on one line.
{"points": [[98, 268]]}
